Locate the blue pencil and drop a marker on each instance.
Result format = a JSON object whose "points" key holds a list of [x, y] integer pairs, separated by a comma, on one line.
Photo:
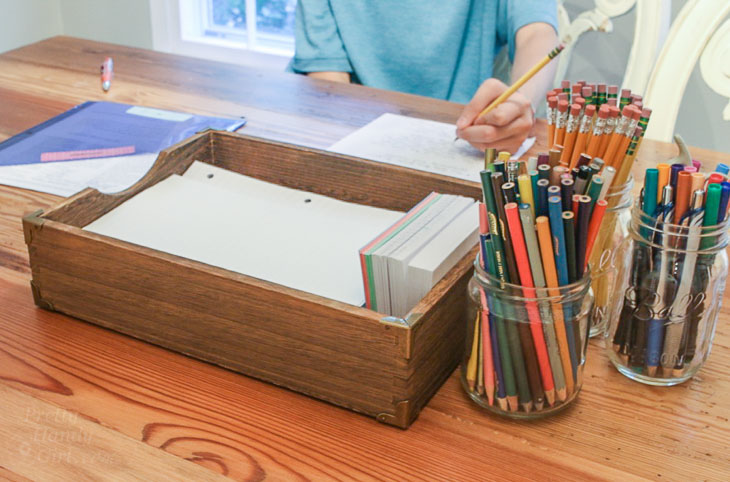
{"points": [[555, 210]]}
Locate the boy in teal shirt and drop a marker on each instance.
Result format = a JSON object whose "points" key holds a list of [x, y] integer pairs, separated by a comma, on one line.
{"points": [[437, 48]]}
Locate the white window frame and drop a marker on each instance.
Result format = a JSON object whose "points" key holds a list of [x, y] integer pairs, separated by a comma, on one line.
{"points": [[174, 33]]}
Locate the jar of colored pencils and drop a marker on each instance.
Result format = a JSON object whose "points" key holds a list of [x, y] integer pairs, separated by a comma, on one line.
{"points": [[525, 347], [614, 229], [670, 284]]}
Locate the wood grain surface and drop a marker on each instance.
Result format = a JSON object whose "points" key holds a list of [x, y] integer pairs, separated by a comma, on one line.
{"points": [[156, 412]]}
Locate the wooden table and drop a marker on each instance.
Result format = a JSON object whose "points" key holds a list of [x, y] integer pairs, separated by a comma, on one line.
{"points": [[78, 401]]}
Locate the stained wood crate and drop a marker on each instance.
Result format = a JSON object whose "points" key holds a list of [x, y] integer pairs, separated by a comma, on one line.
{"points": [[385, 367]]}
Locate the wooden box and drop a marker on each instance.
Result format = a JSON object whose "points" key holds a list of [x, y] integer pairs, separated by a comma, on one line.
{"points": [[384, 367]]}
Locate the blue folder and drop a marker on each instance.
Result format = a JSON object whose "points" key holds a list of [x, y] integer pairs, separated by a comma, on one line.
{"points": [[107, 125]]}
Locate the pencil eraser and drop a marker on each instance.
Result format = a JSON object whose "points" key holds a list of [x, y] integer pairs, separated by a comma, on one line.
{"points": [[612, 102], [563, 96], [603, 111], [590, 110], [565, 84], [563, 105], [639, 131], [638, 104], [576, 89], [587, 91], [613, 89], [636, 113], [635, 97], [601, 88], [626, 93], [613, 111], [575, 109], [580, 101], [627, 111], [646, 112], [553, 102]]}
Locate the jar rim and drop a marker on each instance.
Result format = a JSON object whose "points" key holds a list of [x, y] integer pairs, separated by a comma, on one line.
{"points": [[717, 234], [572, 289]]}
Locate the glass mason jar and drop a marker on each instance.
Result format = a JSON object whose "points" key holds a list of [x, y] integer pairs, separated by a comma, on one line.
{"points": [[525, 347], [614, 229], [670, 283]]}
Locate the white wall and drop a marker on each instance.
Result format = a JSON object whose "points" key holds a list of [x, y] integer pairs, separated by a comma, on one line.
{"points": [[27, 21], [125, 22]]}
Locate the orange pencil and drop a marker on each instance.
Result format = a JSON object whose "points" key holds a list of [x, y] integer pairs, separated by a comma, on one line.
{"points": [[618, 134], [523, 267], [552, 112], [560, 121], [551, 279], [584, 132], [599, 210], [571, 133], [595, 140], [608, 130], [626, 140]]}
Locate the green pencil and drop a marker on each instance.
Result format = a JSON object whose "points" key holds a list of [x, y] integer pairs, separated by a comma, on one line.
{"points": [[504, 348]]}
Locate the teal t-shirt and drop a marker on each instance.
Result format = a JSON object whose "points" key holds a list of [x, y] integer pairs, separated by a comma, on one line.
{"points": [[437, 48]]}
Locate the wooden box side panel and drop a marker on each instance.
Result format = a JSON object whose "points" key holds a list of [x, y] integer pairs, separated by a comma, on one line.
{"points": [[234, 321], [89, 204], [437, 336], [334, 175]]}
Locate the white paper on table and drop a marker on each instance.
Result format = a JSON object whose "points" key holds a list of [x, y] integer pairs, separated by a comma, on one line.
{"points": [[420, 144], [107, 174], [294, 238]]}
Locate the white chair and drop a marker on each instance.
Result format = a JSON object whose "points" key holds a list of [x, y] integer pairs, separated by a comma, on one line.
{"points": [[698, 32]]}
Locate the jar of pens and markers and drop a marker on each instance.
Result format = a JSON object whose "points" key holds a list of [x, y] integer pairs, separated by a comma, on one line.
{"points": [[671, 273]]}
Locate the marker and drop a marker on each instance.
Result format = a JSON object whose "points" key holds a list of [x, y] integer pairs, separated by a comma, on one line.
{"points": [[724, 202], [107, 73], [663, 180]]}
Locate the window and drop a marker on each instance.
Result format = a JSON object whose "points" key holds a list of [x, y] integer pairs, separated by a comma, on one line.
{"points": [[262, 25], [258, 33]]}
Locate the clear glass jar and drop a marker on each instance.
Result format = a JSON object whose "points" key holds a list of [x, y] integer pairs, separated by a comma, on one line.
{"points": [[525, 348], [614, 229], [670, 284]]}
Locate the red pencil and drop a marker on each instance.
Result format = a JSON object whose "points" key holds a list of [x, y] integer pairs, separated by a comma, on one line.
{"points": [[523, 266]]}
